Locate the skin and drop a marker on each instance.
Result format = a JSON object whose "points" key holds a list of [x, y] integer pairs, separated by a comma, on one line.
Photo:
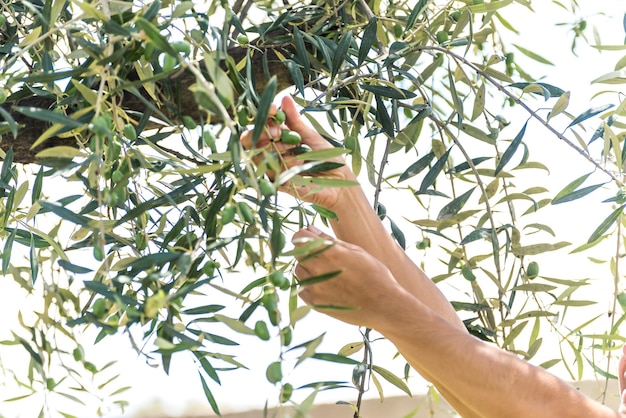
{"points": [[389, 293]]}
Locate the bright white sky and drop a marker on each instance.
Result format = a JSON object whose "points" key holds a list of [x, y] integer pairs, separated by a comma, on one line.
{"points": [[241, 390]]}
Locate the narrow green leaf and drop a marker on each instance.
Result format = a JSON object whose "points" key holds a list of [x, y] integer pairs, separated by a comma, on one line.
{"points": [[533, 55], [432, 174], [7, 165], [341, 51], [234, 324], [10, 121], [209, 396], [382, 116], [66, 265], [320, 278], [570, 302], [417, 10], [455, 206], [560, 105], [510, 151], [37, 186], [393, 379], [369, 37], [49, 116], [476, 235], [517, 330], [34, 261], [6, 253], [479, 102], [577, 194], [606, 224], [466, 166], [301, 51], [388, 91], [263, 110], [589, 114], [417, 167], [552, 90], [64, 213], [335, 358], [538, 248], [154, 35], [201, 310]]}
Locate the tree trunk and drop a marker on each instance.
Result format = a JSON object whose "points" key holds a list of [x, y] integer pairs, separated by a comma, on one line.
{"points": [[30, 129]]}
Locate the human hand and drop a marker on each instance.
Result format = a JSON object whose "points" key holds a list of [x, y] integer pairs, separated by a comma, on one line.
{"points": [[363, 292], [269, 141], [622, 382]]}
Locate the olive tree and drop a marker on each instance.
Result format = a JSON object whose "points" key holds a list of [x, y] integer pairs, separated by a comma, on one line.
{"points": [[128, 201]]}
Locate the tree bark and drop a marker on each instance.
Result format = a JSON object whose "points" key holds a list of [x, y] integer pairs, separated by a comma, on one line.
{"points": [[30, 129]]}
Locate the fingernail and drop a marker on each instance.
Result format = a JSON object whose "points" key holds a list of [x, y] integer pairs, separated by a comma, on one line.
{"points": [[301, 240], [314, 230]]}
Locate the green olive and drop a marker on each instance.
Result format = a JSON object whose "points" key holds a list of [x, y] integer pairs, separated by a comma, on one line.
{"points": [[117, 176], [270, 301], [228, 213], [286, 336], [290, 137], [279, 280], [243, 39], [398, 30], [279, 117], [260, 329], [129, 132], [532, 270], [442, 36], [274, 372], [266, 187], [246, 212], [456, 15], [285, 392], [99, 308]]}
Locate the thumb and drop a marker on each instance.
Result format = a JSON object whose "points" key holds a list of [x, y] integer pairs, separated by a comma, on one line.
{"points": [[295, 122]]}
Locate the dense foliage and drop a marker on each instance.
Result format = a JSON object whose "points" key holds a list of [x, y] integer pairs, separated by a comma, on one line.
{"points": [[134, 202]]}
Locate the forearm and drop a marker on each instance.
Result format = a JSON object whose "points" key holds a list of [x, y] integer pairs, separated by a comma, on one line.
{"points": [[358, 224], [485, 379]]}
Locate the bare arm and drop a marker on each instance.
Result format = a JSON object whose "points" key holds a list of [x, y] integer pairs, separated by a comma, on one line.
{"points": [[485, 380], [358, 223]]}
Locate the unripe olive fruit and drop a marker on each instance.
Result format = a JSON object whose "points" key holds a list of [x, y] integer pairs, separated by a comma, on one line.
{"points": [[99, 307], [280, 117], [243, 39], [274, 372], [279, 280], [260, 329], [266, 187], [246, 212], [290, 137], [398, 30], [129, 132], [117, 176], [286, 336], [228, 213], [285, 392], [442, 36], [532, 270], [456, 15]]}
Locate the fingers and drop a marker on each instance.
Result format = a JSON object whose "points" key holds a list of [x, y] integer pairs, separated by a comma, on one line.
{"points": [[295, 122]]}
